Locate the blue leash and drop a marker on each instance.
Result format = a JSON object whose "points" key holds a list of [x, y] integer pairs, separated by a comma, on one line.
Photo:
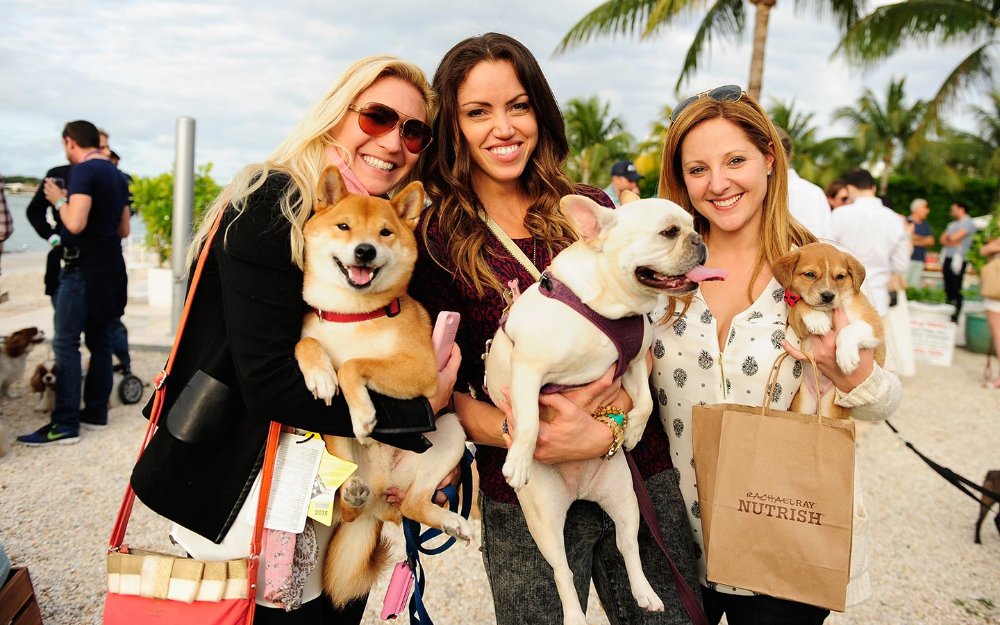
{"points": [[414, 547]]}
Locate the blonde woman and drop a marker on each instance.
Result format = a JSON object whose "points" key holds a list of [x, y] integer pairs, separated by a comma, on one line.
{"points": [[722, 163], [247, 315]]}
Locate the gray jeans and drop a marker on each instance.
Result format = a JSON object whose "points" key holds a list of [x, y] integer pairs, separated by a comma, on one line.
{"points": [[524, 590]]}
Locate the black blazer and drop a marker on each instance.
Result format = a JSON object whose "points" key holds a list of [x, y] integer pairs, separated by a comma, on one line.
{"points": [[244, 322]]}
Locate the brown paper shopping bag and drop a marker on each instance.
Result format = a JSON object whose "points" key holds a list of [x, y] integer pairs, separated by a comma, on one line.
{"points": [[776, 493]]}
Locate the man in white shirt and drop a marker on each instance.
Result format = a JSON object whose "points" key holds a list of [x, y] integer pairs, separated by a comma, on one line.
{"points": [[874, 234], [806, 201]]}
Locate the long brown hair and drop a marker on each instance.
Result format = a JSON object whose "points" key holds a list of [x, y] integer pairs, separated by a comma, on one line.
{"points": [[779, 231], [447, 170]]}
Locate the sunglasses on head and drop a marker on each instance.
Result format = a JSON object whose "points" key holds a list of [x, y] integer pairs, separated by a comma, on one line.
{"points": [[725, 93], [376, 120]]}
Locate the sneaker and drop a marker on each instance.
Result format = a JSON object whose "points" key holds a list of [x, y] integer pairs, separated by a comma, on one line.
{"points": [[52, 434], [93, 427]]}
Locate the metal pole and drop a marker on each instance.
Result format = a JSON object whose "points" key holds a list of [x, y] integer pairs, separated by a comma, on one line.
{"points": [[183, 215]]}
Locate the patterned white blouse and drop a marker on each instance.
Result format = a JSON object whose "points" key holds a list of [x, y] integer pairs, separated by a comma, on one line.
{"points": [[689, 368]]}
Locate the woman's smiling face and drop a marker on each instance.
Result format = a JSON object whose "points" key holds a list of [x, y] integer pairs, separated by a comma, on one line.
{"points": [[725, 174], [497, 122]]}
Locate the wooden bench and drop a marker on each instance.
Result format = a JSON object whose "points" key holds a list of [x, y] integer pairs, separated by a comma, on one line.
{"points": [[18, 605]]}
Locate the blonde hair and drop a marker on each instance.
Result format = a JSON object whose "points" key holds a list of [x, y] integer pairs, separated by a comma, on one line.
{"points": [[302, 155], [779, 231]]}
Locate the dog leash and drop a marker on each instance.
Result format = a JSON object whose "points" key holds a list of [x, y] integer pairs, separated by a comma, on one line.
{"points": [[687, 596], [953, 478], [415, 541]]}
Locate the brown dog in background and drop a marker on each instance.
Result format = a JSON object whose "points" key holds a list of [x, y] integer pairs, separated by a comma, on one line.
{"points": [[819, 278], [991, 483], [43, 382]]}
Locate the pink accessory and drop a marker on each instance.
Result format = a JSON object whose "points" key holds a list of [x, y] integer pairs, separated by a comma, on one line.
{"points": [[398, 592], [792, 298], [350, 180]]}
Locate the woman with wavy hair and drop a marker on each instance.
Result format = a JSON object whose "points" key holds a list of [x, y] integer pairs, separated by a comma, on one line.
{"points": [[246, 318], [495, 172], [722, 162]]}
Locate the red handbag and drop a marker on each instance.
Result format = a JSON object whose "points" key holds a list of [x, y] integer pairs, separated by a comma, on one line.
{"points": [[147, 587]]}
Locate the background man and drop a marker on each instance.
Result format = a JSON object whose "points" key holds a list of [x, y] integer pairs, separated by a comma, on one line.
{"points": [[92, 284], [920, 237], [624, 176], [957, 239]]}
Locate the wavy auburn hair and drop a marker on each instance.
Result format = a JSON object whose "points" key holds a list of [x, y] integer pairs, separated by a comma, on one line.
{"points": [[779, 231], [447, 172]]}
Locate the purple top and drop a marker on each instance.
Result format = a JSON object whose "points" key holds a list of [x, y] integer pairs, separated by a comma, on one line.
{"points": [[438, 289]]}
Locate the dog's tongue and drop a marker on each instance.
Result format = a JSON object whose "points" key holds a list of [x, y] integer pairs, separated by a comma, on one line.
{"points": [[360, 275], [704, 274]]}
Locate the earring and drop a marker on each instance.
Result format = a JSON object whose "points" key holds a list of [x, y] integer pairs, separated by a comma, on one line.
{"points": [[768, 172]]}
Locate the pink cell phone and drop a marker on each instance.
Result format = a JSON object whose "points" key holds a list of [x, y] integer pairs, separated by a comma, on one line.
{"points": [[398, 592], [444, 336]]}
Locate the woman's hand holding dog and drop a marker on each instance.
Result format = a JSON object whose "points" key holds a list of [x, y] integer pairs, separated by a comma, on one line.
{"points": [[824, 350], [573, 433]]}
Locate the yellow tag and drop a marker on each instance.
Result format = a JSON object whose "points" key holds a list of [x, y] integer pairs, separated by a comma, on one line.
{"points": [[333, 472]]}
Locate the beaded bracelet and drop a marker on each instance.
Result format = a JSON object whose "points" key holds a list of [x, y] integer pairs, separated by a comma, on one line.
{"points": [[616, 420]]}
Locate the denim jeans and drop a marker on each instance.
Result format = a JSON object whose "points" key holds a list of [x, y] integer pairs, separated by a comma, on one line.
{"points": [[523, 587], [119, 343], [72, 320], [760, 610]]}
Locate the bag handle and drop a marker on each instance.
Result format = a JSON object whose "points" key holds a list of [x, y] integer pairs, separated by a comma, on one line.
{"points": [[512, 247], [115, 544], [772, 380]]}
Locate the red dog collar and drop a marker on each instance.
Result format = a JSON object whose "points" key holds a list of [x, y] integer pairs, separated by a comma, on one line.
{"points": [[792, 298], [388, 311]]}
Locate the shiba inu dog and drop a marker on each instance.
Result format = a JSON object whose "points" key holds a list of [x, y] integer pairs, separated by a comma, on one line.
{"points": [[819, 278], [366, 332], [556, 333]]}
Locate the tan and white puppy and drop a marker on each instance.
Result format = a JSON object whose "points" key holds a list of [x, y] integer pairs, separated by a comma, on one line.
{"points": [[359, 255], [14, 350], [624, 262], [819, 278], [43, 382]]}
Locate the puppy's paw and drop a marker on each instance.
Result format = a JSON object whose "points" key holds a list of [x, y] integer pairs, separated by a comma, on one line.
{"points": [[363, 421], [818, 322], [517, 468], [322, 380], [850, 340], [848, 360], [458, 527], [649, 600], [356, 492]]}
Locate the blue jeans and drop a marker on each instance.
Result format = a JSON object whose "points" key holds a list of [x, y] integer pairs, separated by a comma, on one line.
{"points": [[119, 343], [72, 320], [523, 587], [759, 610]]}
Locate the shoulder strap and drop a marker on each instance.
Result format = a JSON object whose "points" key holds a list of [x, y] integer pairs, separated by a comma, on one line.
{"points": [[125, 511], [512, 247]]}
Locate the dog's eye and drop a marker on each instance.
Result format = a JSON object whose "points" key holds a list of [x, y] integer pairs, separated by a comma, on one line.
{"points": [[385, 232], [671, 232], [343, 227], [840, 276], [809, 275]]}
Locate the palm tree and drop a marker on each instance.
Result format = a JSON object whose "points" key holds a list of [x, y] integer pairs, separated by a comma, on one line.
{"points": [[974, 23], [885, 131], [987, 139], [724, 18], [818, 160], [596, 139]]}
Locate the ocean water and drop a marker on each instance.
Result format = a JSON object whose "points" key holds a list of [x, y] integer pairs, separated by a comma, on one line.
{"points": [[25, 239]]}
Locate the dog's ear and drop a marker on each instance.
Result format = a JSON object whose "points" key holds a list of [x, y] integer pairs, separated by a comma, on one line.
{"points": [[331, 188], [17, 344], [409, 202], [784, 268], [856, 270], [36, 383], [590, 217], [627, 196]]}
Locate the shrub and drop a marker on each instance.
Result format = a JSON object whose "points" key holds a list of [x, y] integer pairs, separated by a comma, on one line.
{"points": [[153, 198]]}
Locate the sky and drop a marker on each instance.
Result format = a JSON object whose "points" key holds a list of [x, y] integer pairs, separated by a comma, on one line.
{"points": [[247, 71]]}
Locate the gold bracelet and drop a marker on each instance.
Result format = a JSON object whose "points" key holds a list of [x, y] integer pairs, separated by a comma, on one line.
{"points": [[616, 420]]}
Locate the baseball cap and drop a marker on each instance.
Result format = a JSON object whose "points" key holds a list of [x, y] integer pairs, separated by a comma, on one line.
{"points": [[627, 169]]}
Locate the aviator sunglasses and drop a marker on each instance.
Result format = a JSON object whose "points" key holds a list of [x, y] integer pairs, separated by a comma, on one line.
{"points": [[377, 119], [725, 93]]}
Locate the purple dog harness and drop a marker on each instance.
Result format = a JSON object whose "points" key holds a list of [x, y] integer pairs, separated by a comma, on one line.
{"points": [[626, 333]]}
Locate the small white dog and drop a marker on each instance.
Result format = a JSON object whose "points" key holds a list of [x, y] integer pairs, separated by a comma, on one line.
{"points": [[625, 260]]}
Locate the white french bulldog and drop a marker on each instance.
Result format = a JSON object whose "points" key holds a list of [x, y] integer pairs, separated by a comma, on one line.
{"points": [[625, 260]]}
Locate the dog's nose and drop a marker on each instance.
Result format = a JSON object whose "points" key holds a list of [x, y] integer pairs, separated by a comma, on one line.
{"points": [[695, 238], [827, 296], [364, 253]]}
